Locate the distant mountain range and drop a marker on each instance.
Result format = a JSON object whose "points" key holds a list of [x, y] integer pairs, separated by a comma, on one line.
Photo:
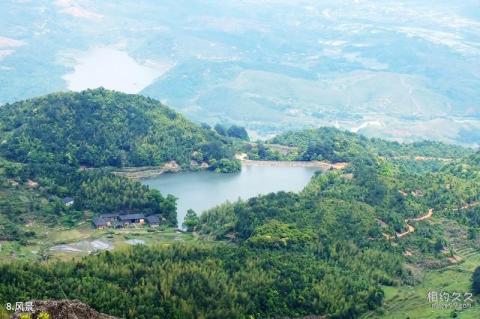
{"points": [[402, 70]]}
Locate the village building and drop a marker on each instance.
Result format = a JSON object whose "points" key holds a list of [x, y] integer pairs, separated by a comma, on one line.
{"points": [[68, 201], [121, 220], [132, 219], [110, 219], [99, 223], [155, 220]]}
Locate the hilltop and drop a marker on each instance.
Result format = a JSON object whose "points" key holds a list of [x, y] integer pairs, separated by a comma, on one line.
{"points": [[100, 127], [48, 143]]}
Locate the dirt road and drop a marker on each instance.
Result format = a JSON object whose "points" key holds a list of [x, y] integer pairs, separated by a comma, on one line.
{"points": [[410, 228]]}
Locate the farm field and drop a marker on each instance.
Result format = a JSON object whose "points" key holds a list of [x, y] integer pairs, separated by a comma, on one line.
{"points": [[80, 241], [412, 302]]}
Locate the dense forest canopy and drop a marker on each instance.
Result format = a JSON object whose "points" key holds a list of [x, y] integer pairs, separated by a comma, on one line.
{"points": [[334, 145], [210, 281], [104, 128]]}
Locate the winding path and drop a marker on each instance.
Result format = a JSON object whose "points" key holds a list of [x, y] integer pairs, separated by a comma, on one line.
{"points": [[474, 204], [410, 228]]}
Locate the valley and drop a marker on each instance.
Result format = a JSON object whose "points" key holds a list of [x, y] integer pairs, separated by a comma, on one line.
{"points": [[194, 159], [371, 222]]}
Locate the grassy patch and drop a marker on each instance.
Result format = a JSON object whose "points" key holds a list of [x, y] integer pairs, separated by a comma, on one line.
{"points": [[40, 248], [411, 301]]}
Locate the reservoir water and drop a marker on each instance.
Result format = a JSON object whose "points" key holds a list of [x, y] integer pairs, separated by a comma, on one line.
{"points": [[113, 69], [203, 190]]}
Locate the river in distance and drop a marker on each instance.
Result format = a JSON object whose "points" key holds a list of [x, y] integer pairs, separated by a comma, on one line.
{"points": [[203, 190]]}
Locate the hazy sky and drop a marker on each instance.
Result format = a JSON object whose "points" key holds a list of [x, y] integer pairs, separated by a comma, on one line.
{"points": [[273, 63]]}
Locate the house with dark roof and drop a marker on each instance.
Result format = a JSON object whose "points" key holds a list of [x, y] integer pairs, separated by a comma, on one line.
{"points": [[132, 219], [118, 220], [155, 220], [100, 223], [109, 219], [113, 216], [68, 201]]}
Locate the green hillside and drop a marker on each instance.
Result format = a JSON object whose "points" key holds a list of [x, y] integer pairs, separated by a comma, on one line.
{"points": [[331, 144], [332, 249], [45, 140], [103, 128]]}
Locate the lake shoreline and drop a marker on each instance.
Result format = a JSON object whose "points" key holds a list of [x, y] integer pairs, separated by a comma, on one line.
{"points": [[314, 164], [203, 190], [147, 172], [142, 174]]}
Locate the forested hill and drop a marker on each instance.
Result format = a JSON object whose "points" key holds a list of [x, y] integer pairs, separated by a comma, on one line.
{"points": [[468, 167], [104, 128], [328, 143], [332, 250], [473, 160]]}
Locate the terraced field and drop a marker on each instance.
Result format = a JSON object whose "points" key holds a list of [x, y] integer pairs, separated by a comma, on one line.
{"points": [[412, 301]]}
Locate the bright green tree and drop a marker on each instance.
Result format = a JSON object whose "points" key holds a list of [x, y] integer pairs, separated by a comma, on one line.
{"points": [[191, 220]]}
